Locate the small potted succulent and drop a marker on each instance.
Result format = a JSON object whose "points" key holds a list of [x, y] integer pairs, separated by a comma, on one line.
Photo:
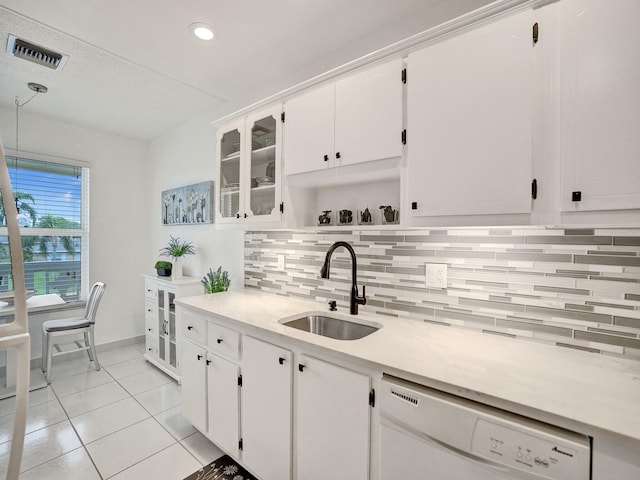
{"points": [[176, 250], [217, 281], [163, 268]]}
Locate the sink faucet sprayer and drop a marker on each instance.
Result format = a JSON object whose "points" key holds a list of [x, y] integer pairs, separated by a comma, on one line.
{"points": [[324, 273]]}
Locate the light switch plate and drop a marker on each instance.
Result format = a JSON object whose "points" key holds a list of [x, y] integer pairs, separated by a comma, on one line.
{"points": [[436, 275]]}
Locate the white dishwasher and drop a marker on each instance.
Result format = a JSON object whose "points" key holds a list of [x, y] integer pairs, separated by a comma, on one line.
{"points": [[430, 435]]}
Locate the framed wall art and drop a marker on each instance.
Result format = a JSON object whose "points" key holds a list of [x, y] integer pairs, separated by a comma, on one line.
{"points": [[192, 204]]}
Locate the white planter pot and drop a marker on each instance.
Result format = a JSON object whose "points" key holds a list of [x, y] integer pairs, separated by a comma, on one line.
{"points": [[176, 269]]}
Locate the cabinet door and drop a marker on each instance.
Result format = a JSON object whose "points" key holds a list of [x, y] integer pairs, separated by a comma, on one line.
{"points": [[308, 131], [162, 324], [230, 157], [600, 139], [266, 409], [223, 402], [332, 421], [470, 121], [194, 387], [368, 119], [263, 175]]}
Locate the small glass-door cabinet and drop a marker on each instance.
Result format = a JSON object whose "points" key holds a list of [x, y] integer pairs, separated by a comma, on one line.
{"points": [[230, 155], [249, 158], [264, 131], [161, 324]]}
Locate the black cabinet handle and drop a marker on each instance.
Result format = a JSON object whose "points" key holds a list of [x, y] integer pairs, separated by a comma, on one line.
{"points": [[149, 329], [337, 154], [245, 215], [208, 362], [237, 215], [219, 340], [190, 327], [199, 357], [326, 158], [301, 367], [281, 360]]}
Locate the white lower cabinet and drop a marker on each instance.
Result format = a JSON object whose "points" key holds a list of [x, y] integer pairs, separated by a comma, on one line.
{"points": [[194, 385], [283, 415], [332, 415], [210, 383], [223, 403], [266, 409]]}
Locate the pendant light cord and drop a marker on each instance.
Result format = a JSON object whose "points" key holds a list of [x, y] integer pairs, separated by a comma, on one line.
{"points": [[18, 106]]}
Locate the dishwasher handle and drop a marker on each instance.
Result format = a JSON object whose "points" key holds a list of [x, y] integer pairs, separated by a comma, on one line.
{"points": [[439, 444]]}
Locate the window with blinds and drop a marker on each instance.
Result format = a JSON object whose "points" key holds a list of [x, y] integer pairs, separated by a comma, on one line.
{"points": [[53, 217]]}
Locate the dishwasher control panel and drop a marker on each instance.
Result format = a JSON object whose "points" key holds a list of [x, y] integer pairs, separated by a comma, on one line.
{"points": [[538, 452]]}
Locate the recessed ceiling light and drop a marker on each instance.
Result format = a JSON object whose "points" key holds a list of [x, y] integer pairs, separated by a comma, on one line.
{"points": [[202, 30]]}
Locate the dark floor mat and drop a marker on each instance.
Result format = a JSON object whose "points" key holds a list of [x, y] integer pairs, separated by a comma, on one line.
{"points": [[224, 468]]}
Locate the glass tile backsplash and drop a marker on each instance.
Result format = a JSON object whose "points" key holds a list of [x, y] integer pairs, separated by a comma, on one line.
{"points": [[577, 288]]}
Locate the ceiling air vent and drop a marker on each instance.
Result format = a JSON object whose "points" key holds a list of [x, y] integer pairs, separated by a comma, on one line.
{"points": [[35, 53]]}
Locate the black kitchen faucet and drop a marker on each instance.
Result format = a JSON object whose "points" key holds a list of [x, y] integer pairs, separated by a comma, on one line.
{"points": [[355, 300]]}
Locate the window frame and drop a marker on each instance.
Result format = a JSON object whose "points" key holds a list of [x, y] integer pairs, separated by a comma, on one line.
{"points": [[82, 232]]}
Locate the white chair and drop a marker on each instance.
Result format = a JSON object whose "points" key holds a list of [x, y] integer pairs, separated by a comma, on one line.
{"points": [[70, 326]]}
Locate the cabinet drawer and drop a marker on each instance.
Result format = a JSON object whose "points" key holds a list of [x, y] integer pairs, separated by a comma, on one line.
{"points": [[150, 326], [194, 327], [224, 341], [149, 311], [150, 345], [150, 291]]}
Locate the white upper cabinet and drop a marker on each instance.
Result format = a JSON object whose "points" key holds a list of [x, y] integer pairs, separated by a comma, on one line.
{"points": [[355, 119], [470, 121], [250, 169], [309, 131], [600, 104], [368, 118]]}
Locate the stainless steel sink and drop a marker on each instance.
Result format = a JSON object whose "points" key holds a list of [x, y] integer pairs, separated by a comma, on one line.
{"points": [[331, 327]]}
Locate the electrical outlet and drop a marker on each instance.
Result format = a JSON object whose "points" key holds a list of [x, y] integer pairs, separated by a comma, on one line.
{"points": [[281, 262], [435, 275]]}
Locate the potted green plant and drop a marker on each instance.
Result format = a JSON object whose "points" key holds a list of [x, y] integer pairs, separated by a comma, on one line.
{"points": [[163, 268], [176, 250], [217, 281]]}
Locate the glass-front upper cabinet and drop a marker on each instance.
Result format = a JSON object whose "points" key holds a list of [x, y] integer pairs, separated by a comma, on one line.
{"points": [[230, 152], [250, 168], [264, 131]]}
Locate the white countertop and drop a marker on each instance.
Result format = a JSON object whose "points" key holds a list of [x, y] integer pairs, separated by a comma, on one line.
{"points": [[594, 390]]}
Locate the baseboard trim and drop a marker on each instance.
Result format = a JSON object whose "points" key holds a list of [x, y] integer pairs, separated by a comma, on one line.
{"points": [[103, 347]]}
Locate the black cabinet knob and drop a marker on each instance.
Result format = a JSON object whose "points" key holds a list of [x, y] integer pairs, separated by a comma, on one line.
{"points": [[199, 357], [219, 340], [326, 158], [337, 154], [301, 367], [237, 215], [208, 362], [190, 327], [281, 360]]}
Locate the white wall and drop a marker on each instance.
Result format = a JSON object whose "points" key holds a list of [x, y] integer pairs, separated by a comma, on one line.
{"points": [[184, 156], [120, 237]]}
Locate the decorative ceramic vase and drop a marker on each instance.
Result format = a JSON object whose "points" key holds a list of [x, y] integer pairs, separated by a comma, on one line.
{"points": [[176, 269]]}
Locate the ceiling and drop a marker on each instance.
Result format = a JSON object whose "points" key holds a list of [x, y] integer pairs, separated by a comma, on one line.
{"points": [[134, 69]]}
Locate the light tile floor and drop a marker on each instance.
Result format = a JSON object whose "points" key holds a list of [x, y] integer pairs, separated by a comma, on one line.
{"points": [[123, 422]]}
